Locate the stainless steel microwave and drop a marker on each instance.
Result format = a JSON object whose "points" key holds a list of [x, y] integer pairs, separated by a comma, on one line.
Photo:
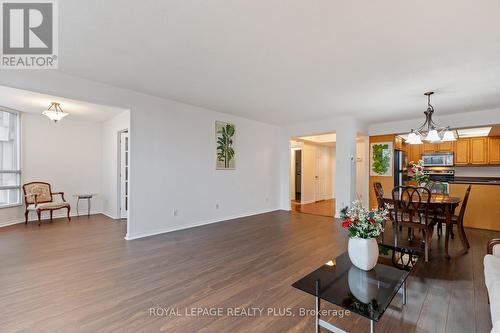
{"points": [[437, 159]]}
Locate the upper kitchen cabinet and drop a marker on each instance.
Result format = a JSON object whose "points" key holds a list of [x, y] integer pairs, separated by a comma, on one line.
{"points": [[414, 153], [462, 151], [445, 146], [494, 150], [428, 147], [399, 143], [479, 151]]}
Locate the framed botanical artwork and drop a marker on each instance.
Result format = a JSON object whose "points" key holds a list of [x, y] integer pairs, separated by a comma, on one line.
{"points": [[224, 139], [381, 154]]}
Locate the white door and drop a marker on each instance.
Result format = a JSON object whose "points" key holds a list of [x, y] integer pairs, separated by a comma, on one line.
{"points": [[320, 177], [124, 159]]}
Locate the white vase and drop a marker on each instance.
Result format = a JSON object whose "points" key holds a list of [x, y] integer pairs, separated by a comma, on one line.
{"points": [[363, 252]]}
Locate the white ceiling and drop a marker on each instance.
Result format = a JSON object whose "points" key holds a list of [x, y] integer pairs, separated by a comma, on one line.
{"points": [[31, 102], [286, 61]]}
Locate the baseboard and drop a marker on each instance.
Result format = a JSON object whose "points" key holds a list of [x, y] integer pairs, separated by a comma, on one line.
{"points": [[198, 224], [111, 216], [56, 215]]}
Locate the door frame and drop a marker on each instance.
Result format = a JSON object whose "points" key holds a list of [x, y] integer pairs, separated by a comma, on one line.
{"points": [[118, 173]]}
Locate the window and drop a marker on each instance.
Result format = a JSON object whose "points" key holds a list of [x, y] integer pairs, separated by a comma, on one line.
{"points": [[10, 169]]}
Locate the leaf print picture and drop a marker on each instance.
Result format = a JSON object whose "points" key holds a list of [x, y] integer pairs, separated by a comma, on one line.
{"points": [[381, 159], [224, 136]]}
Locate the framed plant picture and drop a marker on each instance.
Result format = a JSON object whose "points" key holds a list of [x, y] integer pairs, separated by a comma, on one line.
{"points": [[224, 139], [381, 154]]}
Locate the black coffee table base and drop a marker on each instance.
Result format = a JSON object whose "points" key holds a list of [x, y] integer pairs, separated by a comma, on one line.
{"points": [[332, 328]]}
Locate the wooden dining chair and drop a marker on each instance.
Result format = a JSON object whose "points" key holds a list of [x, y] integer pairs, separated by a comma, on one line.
{"points": [[458, 220], [411, 210], [437, 188], [379, 194]]}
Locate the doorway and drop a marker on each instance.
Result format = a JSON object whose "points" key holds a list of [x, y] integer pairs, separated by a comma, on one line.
{"points": [[298, 174], [123, 173], [312, 176]]}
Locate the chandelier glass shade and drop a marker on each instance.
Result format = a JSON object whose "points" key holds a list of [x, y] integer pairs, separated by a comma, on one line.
{"points": [[54, 112], [430, 131]]}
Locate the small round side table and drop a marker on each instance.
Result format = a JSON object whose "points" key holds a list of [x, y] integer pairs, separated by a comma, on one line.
{"points": [[84, 196]]}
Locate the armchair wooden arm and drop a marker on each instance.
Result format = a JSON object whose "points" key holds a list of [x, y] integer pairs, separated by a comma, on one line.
{"points": [[59, 193], [26, 196], [491, 244]]}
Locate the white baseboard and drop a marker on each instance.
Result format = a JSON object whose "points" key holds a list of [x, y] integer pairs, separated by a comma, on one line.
{"points": [[45, 216], [197, 224], [110, 216]]}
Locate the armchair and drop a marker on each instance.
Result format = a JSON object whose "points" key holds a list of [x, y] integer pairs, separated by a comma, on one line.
{"points": [[38, 197]]}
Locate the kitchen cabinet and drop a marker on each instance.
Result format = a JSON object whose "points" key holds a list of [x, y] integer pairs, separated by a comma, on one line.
{"points": [[399, 143], [462, 151], [414, 153], [479, 151], [428, 147], [494, 150], [482, 209], [445, 146]]}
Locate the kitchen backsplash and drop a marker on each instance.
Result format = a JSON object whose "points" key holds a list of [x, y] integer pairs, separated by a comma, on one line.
{"points": [[477, 171]]}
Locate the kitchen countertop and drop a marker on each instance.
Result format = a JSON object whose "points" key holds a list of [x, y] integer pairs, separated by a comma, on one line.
{"points": [[476, 180]]}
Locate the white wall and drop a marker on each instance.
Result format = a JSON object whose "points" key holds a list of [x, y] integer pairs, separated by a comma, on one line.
{"points": [[109, 162], [362, 171], [334, 169], [173, 167], [66, 155]]}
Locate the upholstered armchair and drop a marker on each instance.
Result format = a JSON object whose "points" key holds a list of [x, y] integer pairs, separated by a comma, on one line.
{"points": [[38, 197]]}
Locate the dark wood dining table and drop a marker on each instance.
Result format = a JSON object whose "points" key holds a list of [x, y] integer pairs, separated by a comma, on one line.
{"points": [[446, 204]]}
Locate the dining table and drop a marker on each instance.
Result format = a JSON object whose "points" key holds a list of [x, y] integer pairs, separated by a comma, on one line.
{"points": [[447, 204]]}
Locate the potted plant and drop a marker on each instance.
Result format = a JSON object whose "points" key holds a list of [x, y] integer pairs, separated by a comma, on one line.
{"points": [[417, 173], [363, 227]]}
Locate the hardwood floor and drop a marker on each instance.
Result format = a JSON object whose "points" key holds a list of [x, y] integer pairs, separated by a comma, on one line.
{"points": [[84, 277], [323, 208]]}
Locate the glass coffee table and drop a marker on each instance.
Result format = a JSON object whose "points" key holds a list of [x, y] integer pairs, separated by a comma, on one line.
{"points": [[366, 293]]}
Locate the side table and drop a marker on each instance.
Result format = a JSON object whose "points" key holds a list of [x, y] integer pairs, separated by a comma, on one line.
{"points": [[84, 196]]}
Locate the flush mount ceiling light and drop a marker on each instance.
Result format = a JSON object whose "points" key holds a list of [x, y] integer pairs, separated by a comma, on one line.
{"points": [[430, 131], [474, 132], [54, 112]]}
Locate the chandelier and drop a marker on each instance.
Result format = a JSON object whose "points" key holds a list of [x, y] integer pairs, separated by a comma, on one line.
{"points": [[430, 131], [54, 112]]}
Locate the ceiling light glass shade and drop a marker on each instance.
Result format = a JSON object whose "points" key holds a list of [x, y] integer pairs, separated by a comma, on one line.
{"points": [[449, 136], [55, 113], [413, 139], [432, 136]]}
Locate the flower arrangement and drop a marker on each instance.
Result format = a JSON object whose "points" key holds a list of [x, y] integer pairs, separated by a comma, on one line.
{"points": [[417, 172], [361, 222]]}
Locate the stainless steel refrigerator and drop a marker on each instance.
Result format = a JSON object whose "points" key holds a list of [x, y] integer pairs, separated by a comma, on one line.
{"points": [[400, 168]]}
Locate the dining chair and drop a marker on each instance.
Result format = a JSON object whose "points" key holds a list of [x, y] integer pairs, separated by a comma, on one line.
{"points": [[379, 194], [458, 220], [411, 210], [437, 188]]}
